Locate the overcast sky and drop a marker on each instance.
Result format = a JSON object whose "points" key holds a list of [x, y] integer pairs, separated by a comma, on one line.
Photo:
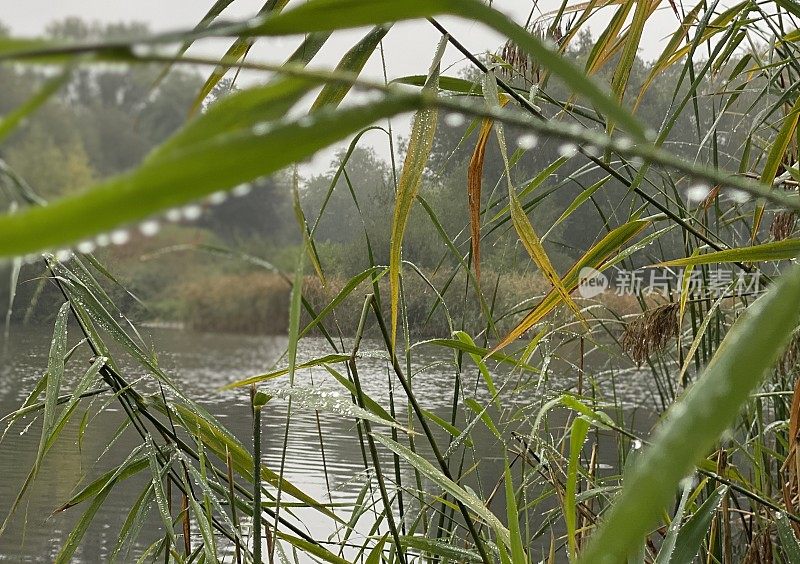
{"points": [[409, 47]]}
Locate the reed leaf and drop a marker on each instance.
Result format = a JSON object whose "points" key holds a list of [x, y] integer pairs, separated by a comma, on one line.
{"points": [[420, 144], [777, 152], [776, 250], [353, 61], [468, 499], [596, 258]]}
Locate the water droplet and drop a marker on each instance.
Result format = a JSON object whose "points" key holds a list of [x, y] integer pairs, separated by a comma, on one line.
{"points": [[192, 212], [103, 240], [242, 190], [454, 120], [261, 128], [592, 151], [527, 141], [86, 247], [173, 215], [624, 144], [63, 255], [141, 50], [120, 237], [697, 192], [217, 198], [568, 150], [738, 196], [149, 228], [637, 444]]}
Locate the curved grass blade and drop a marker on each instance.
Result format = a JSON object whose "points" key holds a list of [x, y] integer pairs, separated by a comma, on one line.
{"points": [[321, 361], [668, 546], [420, 144], [439, 548], [483, 353], [518, 554], [777, 151], [353, 61], [321, 15], [595, 258], [692, 533], [750, 348], [789, 542], [474, 185], [99, 496], [468, 499], [235, 52], [10, 121], [52, 379], [577, 436], [776, 250], [216, 164], [522, 225], [327, 401]]}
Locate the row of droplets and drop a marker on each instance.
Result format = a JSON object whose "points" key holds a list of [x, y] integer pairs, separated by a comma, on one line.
{"points": [[699, 191], [528, 141], [147, 228], [695, 193]]}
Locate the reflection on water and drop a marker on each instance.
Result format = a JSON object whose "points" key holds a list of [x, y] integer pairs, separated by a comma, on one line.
{"points": [[324, 457]]}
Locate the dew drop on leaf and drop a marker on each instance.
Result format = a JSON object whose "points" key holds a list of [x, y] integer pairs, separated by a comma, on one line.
{"points": [[242, 190], [527, 141], [149, 228], [103, 240], [568, 150], [454, 120], [173, 215], [217, 198], [697, 192], [120, 237], [192, 212], [86, 247]]}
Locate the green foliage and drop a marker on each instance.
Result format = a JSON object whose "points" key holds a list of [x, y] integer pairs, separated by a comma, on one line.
{"points": [[574, 181]]}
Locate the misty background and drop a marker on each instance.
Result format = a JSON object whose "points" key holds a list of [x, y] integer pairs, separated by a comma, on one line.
{"points": [[109, 118]]}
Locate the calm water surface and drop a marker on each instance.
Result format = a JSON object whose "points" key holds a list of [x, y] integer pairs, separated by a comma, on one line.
{"points": [[201, 364]]}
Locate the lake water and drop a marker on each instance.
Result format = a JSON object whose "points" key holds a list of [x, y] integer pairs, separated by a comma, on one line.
{"points": [[201, 364]]}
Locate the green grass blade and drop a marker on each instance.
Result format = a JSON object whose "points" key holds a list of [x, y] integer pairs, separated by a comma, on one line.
{"points": [[693, 532], [789, 542], [517, 546], [321, 15], [577, 436], [775, 157], [423, 132], [321, 361], [468, 499], [10, 121], [777, 250], [353, 61], [216, 164]]}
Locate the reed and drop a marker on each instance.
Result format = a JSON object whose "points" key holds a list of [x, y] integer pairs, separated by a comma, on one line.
{"points": [[537, 359]]}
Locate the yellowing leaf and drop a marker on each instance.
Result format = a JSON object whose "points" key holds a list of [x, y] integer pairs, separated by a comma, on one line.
{"points": [[474, 186], [595, 258], [520, 219], [775, 157], [419, 148]]}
